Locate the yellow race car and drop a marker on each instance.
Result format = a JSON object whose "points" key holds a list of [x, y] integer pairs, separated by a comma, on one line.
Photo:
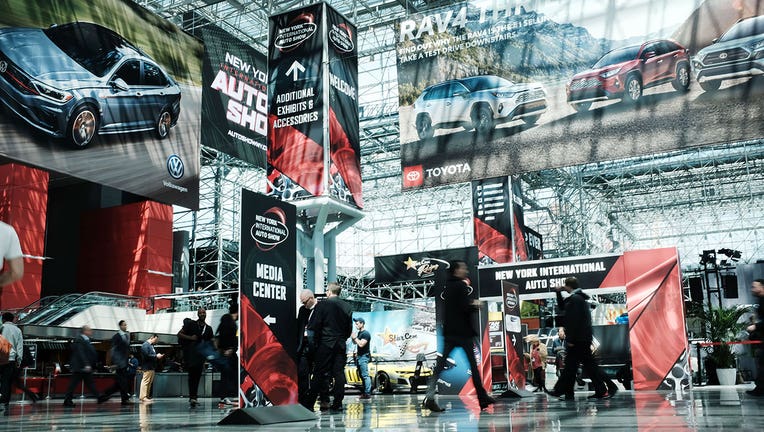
{"points": [[389, 374]]}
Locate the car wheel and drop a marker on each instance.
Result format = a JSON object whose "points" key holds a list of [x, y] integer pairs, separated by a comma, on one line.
{"points": [[164, 123], [383, 383], [482, 119], [682, 81], [530, 120], [710, 86], [633, 89], [582, 106], [83, 127], [424, 127]]}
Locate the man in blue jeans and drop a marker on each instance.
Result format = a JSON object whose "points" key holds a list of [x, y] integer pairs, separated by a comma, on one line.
{"points": [[362, 339]]}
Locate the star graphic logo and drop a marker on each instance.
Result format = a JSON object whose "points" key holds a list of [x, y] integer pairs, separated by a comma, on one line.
{"points": [[410, 263], [388, 337]]}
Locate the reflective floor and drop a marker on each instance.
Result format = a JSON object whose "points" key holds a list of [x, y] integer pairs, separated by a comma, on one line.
{"points": [[707, 408]]}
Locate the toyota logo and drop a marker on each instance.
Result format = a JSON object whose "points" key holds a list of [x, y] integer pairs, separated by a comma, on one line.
{"points": [[413, 176], [723, 56], [3, 66], [175, 166]]}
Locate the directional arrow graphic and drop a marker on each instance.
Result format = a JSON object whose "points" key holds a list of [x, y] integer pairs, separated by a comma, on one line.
{"points": [[295, 69], [269, 320], [514, 340]]}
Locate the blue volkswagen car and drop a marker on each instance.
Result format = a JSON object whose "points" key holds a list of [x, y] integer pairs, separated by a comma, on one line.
{"points": [[79, 80]]}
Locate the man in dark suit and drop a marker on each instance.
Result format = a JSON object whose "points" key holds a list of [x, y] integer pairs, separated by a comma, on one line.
{"points": [[331, 324], [191, 337], [305, 348], [120, 353], [458, 331], [82, 364]]}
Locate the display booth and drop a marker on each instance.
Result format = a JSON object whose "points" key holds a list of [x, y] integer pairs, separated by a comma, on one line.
{"points": [[652, 282]]}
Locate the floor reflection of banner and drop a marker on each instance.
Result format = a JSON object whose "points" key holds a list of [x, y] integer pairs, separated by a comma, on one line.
{"points": [[268, 298], [514, 329]]}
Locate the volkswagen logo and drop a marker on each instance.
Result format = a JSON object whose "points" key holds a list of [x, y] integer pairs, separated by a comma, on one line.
{"points": [[723, 56], [3, 66], [175, 166]]}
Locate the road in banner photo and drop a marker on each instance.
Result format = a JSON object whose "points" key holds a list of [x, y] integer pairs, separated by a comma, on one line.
{"points": [[135, 162], [563, 137]]}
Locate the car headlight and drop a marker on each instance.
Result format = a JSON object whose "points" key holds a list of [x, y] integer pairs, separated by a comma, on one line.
{"points": [[52, 93], [610, 73], [757, 45]]}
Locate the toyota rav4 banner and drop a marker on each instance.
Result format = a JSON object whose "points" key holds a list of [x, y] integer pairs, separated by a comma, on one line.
{"points": [[234, 97], [268, 281], [492, 88], [313, 146], [105, 91]]}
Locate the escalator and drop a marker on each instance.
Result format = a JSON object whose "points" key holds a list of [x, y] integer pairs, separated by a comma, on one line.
{"points": [[58, 310]]}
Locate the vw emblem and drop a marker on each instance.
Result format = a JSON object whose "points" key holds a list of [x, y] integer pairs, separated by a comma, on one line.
{"points": [[723, 56], [3, 66], [175, 166]]}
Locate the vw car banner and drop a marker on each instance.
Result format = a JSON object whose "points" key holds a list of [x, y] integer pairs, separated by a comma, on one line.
{"points": [[492, 88], [106, 91]]}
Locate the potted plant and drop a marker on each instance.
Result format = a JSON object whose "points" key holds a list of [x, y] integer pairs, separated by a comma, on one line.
{"points": [[723, 325]]}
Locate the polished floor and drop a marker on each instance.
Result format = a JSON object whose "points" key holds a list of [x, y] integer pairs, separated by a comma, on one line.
{"points": [[703, 409]]}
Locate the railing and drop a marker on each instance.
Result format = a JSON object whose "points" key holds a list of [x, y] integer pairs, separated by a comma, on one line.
{"points": [[32, 307], [187, 302], [62, 308]]}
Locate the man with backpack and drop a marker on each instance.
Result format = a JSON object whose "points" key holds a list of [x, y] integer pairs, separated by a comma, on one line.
{"points": [[11, 360]]}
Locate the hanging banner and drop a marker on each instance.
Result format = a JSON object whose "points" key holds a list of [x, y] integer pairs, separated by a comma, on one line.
{"points": [[513, 327], [108, 93], [535, 244], [234, 97], [493, 220], [268, 284], [301, 124], [422, 266], [495, 88]]}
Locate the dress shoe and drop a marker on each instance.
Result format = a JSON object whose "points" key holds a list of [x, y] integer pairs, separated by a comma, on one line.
{"points": [[102, 399], [486, 401], [559, 395], [193, 403], [431, 405], [127, 402], [324, 406], [605, 395], [364, 397], [68, 403]]}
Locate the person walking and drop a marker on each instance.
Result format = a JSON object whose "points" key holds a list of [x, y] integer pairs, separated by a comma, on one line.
{"points": [[578, 330], [305, 347], [362, 339], [120, 351], [82, 365], [331, 324], [458, 331], [193, 336], [538, 355], [132, 370], [757, 333], [228, 345], [148, 366]]}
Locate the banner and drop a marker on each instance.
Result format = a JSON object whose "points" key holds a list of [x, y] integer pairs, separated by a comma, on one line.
{"points": [[489, 89], [422, 266], [495, 222], [234, 97], [268, 284], [514, 328], [301, 125], [535, 244], [399, 334], [110, 94]]}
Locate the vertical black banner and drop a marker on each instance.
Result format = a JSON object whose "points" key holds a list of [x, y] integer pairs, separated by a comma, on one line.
{"points": [[521, 249], [295, 89], [268, 297], [535, 243], [513, 327], [234, 97], [492, 220], [344, 139]]}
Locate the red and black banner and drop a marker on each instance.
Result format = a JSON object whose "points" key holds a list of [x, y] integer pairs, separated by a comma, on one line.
{"points": [[422, 266], [301, 125], [268, 279], [496, 224], [535, 244], [234, 97], [514, 335]]}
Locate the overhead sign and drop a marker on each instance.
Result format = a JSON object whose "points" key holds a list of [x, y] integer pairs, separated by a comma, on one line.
{"points": [[495, 88], [268, 281], [234, 97], [313, 138], [421, 266], [109, 94], [497, 225], [513, 327]]}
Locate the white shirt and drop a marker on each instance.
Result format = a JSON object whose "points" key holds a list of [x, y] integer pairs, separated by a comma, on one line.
{"points": [[14, 336], [10, 248]]}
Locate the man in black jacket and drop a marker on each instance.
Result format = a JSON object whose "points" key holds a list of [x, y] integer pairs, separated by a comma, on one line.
{"points": [[120, 352], [228, 346], [331, 324], [578, 328], [82, 364], [191, 336], [458, 331], [305, 347], [757, 333]]}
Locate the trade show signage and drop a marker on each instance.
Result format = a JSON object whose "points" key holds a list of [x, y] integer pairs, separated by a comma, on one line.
{"points": [[422, 266], [313, 137], [73, 102], [488, 89], [234, 97], [496, 224], [513, 327], [398, 334], [268, 280], [535, 244]]}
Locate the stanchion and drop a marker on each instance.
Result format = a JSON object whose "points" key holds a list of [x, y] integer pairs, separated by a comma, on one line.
{"points": [[50, 382]]}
